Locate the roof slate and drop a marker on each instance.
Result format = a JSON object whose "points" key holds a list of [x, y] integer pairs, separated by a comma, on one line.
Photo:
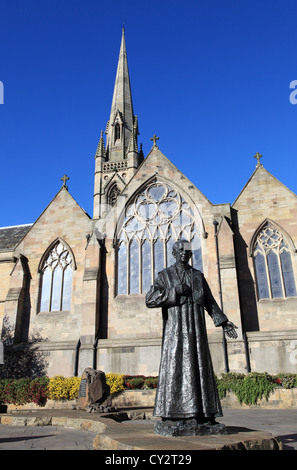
{"points": [[11, 236]]}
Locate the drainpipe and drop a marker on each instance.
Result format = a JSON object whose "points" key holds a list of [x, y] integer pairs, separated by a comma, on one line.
{"points": [[95, 352], [226, 361], [247, 354], [76, 360]]}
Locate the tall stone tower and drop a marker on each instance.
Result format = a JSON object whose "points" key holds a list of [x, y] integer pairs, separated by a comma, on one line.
{"points": [[118, 159]]}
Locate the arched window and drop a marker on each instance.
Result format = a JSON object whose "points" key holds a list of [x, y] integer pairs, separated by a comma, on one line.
{"points": [[156, 218], [273, 264], [113, 195], [56, 283]]}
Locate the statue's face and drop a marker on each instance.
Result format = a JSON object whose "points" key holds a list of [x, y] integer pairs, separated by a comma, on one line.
{"points": [[182, 252]]}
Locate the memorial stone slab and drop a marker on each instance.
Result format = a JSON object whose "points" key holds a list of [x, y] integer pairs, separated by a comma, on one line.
{"points": [[93, 389]]}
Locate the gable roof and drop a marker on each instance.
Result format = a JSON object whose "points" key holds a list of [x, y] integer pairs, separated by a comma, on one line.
{"points": [[251, 181], [150, 167], [11, 237]]}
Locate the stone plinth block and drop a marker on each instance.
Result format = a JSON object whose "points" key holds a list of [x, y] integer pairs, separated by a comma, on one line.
{"points": [[188, 427]]}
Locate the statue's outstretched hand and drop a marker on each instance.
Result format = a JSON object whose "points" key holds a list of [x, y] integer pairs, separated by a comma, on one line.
{"points": [[229, 329]]}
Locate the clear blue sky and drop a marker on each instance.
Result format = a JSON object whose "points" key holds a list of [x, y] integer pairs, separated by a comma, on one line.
{"points": [[210, 77]]}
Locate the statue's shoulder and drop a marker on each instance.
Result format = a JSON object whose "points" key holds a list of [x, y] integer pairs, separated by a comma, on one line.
{"points": [[167, 271], [168, 274]]}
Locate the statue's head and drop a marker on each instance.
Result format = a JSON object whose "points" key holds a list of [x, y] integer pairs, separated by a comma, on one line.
{"points": [[182, 251]]}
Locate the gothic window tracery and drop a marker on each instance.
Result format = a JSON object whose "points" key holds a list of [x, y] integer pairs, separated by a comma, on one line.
{"points": [[273, 264], [113, 195], [157, 217], [56, 288]]}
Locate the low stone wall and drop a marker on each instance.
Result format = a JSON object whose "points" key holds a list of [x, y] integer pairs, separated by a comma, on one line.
{"points": [[50, 405], [281, 398]]}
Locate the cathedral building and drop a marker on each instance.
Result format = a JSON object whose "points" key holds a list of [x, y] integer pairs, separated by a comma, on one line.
{"points": [[79, 281]]}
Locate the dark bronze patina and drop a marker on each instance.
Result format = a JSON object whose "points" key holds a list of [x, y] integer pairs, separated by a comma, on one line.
{"points": [[187, 398]]}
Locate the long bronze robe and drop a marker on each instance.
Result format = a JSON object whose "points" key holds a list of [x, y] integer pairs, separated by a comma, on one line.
{"points": [[186, 386]]}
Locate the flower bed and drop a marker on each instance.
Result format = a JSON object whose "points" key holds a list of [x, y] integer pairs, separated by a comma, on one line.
{"points": [[21, 391], [248, 388], [140, 381], [254, 386]]}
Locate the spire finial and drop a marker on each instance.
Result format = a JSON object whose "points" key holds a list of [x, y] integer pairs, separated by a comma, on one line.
{"points": [[100, 152], [258, 156]]}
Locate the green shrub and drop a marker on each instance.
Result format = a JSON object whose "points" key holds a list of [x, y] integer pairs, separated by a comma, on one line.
{"points": [[133, 381], [248, 388], [151, 382], [22, 391]]}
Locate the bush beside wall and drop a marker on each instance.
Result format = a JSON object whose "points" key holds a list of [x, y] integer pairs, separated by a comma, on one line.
{"points": [[248, 388]]}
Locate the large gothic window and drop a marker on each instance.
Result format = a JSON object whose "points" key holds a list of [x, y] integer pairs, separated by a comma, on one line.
{"points": [[156, 218], [56, 288], [273, 265]]}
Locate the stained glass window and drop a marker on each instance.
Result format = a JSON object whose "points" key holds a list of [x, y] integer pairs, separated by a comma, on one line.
{"points": [[56, 286], [273, 265], [156, 218]]}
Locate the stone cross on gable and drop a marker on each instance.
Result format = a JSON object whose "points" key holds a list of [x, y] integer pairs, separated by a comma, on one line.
{"points": [[154, 139], [65, 179], [258, 156]]}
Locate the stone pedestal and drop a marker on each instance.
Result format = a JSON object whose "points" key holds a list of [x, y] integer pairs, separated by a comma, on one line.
{"points": [[188, 427]]}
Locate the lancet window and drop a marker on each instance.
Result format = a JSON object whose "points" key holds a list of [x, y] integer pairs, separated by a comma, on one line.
{"points": [[113, 194], [56, 287], [117, 131], [273, 264], [157, 217]]}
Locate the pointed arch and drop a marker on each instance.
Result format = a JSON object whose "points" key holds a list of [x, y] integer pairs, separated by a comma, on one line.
{"points": [[117, 131], [56, 270], [50, 247], [157, 178], [271, 249], [113, 193], [267, 221], [154, 218]]}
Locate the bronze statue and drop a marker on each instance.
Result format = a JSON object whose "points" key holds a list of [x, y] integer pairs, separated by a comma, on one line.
{"points": [[187, 391]]}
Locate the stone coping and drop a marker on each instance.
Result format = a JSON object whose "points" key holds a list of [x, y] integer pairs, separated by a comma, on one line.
{"points": [[116, 432]]}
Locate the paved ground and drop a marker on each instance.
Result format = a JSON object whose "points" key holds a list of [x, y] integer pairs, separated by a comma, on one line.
{"points": [[44, 438], [280, 423]]}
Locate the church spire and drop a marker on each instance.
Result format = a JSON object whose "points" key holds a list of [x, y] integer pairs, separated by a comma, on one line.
{"points": [[118, 160], [122, 120]]}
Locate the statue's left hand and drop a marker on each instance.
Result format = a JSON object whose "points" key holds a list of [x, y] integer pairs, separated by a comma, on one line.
{"points": [[229, 329]]}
